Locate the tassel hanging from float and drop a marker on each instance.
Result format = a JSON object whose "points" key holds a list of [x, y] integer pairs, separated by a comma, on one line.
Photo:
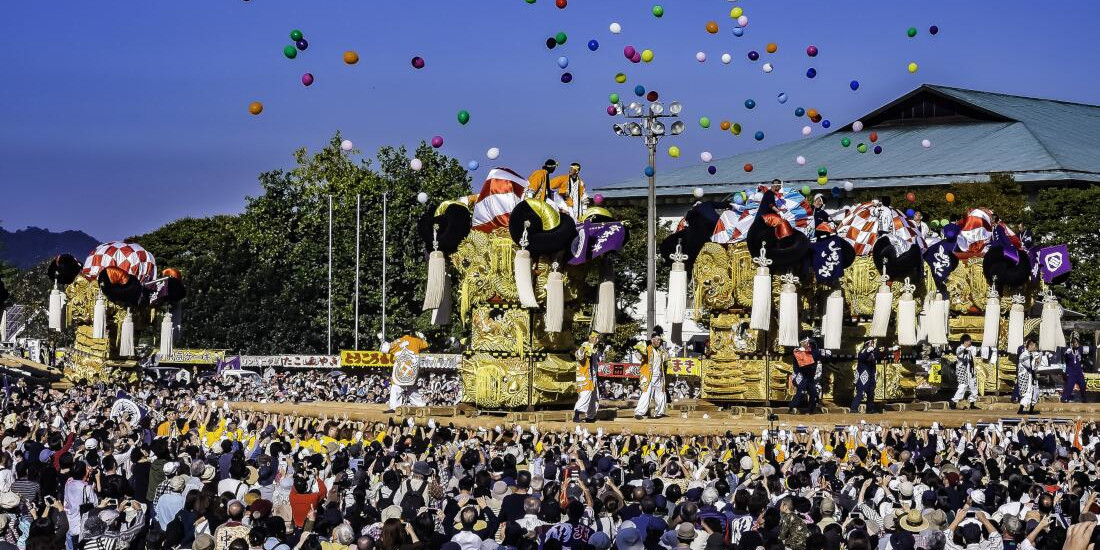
{"points": [[442, 314], [922, 325], [437, 274], [99, 318], [833, 322], [761, 316], [4, 326], [166, 335], [991, 332], [555, 300], [1050, 325], [55, 311], [907, 315], [884, 301], [603, 321], [126, 336], [1016, 320], [676, 307], [788, 311], [521, 268], [937, 325]]}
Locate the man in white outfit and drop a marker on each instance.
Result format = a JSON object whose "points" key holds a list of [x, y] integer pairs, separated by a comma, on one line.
{"points": [[964, 372], [587, 391], [406, 365], [651, 380], [1027, 379]]}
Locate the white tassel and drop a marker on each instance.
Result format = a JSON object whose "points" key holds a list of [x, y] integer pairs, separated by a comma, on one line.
{"points": [[880, 320], [937, 325], [437, 275], [126, 336], [555, 302], [788, 313], [54, 314], [922, 327], [991, 333], [907, 318], [833, 323], [99, 318], [1050, 325], [677, 294], [525, 287], [4, 326], [604, 322], [442, 314], [761, 318], [1016, 324], [166, 335]]}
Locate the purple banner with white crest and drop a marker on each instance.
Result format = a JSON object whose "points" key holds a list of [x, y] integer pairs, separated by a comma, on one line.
{"points": [[1053, 262], [596, 239]]}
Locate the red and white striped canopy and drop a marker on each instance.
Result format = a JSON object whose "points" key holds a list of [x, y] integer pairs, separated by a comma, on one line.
{"points": [[975, 231], [129, 257], [502, 191], [861, 227]]}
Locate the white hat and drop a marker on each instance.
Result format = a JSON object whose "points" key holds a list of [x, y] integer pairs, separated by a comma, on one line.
{"points": [[91, 443], [746, 462], [171, 467]]}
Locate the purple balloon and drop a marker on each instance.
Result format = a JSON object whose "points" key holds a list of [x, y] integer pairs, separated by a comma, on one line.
{"points": [[566, 78], [437, 142], [637, 58], [307, 79], [629, 52], [302, 44], [712, 170], [611, 111]]}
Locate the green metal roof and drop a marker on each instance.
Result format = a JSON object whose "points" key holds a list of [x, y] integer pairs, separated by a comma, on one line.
{"points": [[1035, 140]]}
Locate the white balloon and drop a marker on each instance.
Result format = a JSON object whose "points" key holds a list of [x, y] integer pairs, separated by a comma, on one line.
{"points": [[857, 125], [492, 153], [416, 164], [616, 28], [700, 56], [806, 130], [726, 58], [743, 21], [800, 160], [925, 143], [346, 145], [422, 197], [767, 67], [705, 156], [848, 186], [698, 192]]}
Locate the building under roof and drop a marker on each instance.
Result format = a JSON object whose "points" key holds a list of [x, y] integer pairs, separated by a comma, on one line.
{"points": [[973, 134]]}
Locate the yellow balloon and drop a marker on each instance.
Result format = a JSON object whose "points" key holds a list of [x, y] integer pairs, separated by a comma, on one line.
{"points": [[674, 151], [647, 55], [736, 12], [822, 180], [620, 78], [912, 67]]}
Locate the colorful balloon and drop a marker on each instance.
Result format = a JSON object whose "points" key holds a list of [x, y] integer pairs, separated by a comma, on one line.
{"points": [[781, 98], [647, 55], [422, 197], [615, 28], [712, 170], [854, 85], [566, 78], [639, 90], [750, 104], [437, 141], [561, 4], [811, 72], [705, 156], [704, 122], [800, 160], [598, 199], [658, 10], [825, 123], [472, 165], [772, 47], [753, 55], [350, 57], [620, 78], [873, 137], [712, 27], [736, 128], [346, 145], [593, 45], [848, 186], [726, 58], [700, 56], [301, 44], [857, 126], [747, 167], [290, 52], [674, 152], [878, 149], [296, 35], [651, 95], [463, 116], [551, 43], [911, 197], [845, 142], [736, 12], [307, 79], [836, 191], [724, 125], [811, 50], [799, 111], [738, 31], [822, 171], [806, 190], [927, 144], [560, 38], [862, 147], [806, 130], [743, 21], [418, 62], [950, 197], [416, 164], [911, 32], [822, 180], [255, 107], [628, 52], [637, 57], [649, 171], [612, 110], [563, 62], [933, 30], [913, 67], [767, 67], [492, 153], [759, 135], [613, 98]]}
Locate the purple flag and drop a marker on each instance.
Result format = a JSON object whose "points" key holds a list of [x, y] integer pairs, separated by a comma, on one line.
{"points": [[1054, 262], [828, 260], [941, 260], [596, 239]]}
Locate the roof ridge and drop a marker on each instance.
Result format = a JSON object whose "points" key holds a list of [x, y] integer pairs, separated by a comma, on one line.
{"points": [[1000, 94]]}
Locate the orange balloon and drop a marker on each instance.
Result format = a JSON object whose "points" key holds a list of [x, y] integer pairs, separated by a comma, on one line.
{"points": [[725, 125], [771, 48], [172, 272], [911, 196], [351, 57], [748, 167], [811, 113], [874, 137], [712, 27], [255, 107], [950, 197]]}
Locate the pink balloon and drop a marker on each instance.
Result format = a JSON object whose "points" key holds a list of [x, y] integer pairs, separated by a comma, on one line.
{"points": [[437, 142], [597, 199], [629, 52], [307, 79]]}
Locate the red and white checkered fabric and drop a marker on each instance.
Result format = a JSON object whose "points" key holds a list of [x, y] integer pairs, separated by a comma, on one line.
{"points": [[861, 227], [129, 257]]}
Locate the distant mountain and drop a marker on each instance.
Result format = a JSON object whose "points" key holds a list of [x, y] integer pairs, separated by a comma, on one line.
{"points": [[27, 247]]}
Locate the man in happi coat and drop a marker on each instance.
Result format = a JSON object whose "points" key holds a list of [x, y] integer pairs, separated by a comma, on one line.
{"points": [[1075, 370], [538, 183], [806, 360], [588, 396], [571, 192], [965, 374], [651, 381], [406, 365], [866, 371], [1027, 376]]}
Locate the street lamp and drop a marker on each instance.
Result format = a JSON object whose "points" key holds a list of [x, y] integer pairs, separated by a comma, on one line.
{"points": [[649, 126]]}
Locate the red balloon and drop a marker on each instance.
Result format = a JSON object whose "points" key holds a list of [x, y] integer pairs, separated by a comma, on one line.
{"points": [[911, 197], [561, 4], [651, 96], [874, 137], [748, 167]]}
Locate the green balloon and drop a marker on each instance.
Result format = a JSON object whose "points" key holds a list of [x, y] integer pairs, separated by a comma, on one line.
{"points": [[704, 122], [911, 32], [822, 171], [560, 38], [736, 128], [614, 98], [806, 190], [658, 10], [290, 52], [530, 1], [463, 116], [295, 35], [845, 142], [862, 147]]}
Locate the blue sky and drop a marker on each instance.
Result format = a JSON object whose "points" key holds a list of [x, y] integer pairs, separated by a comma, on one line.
{"points": [[118, 117]]}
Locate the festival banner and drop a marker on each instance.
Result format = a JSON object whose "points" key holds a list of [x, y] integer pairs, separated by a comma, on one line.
{"points": [[1053, 262], [291, 361], [365, 358], [827, 260], [684, 366], [440, 361], [186, 356], [596, 239], [618, 370]]}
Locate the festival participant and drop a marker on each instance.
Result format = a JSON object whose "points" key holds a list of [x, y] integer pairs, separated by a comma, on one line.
{"points": [[1075, 371], [806, 363], [651, 380], [918, 221], [964, 373], [406, 362], [866, 371], [538, 183], [570, 191], [588, 397], [1027, 376]]}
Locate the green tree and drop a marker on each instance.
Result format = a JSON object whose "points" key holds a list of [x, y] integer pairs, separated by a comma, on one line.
{"points": [[1001, 194], [1068, 215]]}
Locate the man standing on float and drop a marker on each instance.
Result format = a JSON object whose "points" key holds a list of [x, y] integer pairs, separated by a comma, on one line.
{"points": [[588, 395], [406, 365], [651, 380], [964, 373]]}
